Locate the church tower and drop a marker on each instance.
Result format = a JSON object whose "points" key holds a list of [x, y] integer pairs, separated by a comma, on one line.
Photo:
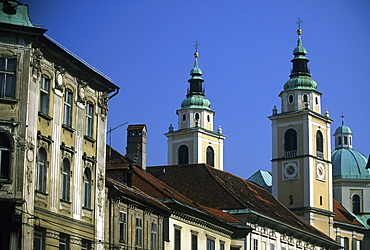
{"points": [[301, 154], [194, 141]]}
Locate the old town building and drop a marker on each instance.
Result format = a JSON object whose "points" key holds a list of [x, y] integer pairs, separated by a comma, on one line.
{"points": [[52, 129]]}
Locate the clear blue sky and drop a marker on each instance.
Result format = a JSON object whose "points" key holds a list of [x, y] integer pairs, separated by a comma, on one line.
{"points": [[146, 47]]}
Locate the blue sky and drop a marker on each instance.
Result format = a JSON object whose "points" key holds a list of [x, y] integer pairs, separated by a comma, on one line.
{"points": [[146, 48]]}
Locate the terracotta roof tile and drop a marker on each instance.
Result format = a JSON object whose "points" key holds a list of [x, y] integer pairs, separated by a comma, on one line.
{"points": [[114, 160], [136, 126], [343, 215], [221, 190]]}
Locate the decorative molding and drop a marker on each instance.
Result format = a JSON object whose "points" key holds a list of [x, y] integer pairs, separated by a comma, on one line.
{"points": [[66, 149], [29, 175], [81, 92], [103, 104], [89, 158], [36, 62]]}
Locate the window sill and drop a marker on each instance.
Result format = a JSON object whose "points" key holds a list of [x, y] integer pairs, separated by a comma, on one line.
{"points": [[65, 201], [41, 192], [68, 128], [45, 116], [87, 208], [8, 100], [5, 181], [90, 139]]}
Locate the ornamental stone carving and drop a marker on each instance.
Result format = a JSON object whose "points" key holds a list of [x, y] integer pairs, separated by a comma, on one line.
{"points": [[29, 176], [81, 97], [103, 104], [59, 72], [36, 62]]}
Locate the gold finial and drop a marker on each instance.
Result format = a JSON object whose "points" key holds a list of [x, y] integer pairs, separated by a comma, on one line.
{"points": [[196, 45], [299, 22]]}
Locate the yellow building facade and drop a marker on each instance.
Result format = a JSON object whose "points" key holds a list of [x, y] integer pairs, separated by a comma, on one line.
{"points": [[195, 141]]}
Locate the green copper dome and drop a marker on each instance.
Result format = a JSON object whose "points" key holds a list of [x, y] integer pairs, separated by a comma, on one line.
{"points": [[343, 130], [349, 163], [196, 101], [300, 77], [300, 82]]}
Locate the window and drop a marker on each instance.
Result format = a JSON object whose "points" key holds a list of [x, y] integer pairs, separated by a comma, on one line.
{"points": [[222, 245], [320, 200], [255, 244], [291, 98], [305, 98], [139, 232], [7, 77], [346, 243], [290, 199], [197, 116], [356, 204], [290, 143], [210, 155], [153, 236], [272, 246], [68, 98], [86, 245], [177, 239], [319, 142], [89, 119], [5, 153], [210, 244], [183, 155], [63, 242], [183, 117], [66, 172], [345, 140], [44, 95], [339, 140], [194, 242], [38, 239], [41, 170], [122, 227], [87, 188]]}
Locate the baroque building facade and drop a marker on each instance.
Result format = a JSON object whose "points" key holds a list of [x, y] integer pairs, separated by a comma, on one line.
{"points": [[52, 128]]}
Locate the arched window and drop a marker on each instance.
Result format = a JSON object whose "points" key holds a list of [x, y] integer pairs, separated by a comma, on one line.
{"points": [[5, 150], [183, 155], [87, 189], [305, 98], [290, 199], [290, 139], [65, 185], [210, 156], [41, 170], [356, 204], [319, 144]]}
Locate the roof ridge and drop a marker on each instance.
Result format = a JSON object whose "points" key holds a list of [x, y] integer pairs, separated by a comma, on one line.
{"points": [[218, 180]]}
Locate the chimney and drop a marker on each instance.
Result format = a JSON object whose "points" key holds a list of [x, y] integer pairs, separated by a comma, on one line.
{"points": [[136, 144]]}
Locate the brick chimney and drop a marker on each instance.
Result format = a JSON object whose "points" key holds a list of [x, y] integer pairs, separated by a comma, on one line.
{"points": [[136, 144]]}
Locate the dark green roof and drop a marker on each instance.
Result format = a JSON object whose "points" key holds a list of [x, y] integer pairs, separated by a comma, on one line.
{"points": [[349, 164]]}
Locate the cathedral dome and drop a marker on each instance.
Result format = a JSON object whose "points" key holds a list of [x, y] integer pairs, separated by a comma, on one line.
{"points": [[196, 101], [343, 129], [349, 163]]}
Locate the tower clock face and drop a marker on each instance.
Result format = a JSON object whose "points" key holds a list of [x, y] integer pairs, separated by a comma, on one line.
{"points": [[290, 171], [320, 172]]}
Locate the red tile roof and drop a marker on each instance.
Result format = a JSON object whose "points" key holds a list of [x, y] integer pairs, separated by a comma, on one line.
{"points": [[224, 191], [134, 193], [343, 215], [114, 160]]}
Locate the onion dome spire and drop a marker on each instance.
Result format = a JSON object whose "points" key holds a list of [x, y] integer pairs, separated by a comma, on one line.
{"points": [[196, 95], [300, 77]]}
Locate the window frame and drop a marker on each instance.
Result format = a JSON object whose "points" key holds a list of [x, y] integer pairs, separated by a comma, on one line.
{"points": [[139, 232], [65, 180], [87, 188], [210, 156], [211, 244], [63, 241], [89, 119], [122, 221], [177, 239], [290, 143], [68, 106], [5, 75], [42, 164], [153, 236], [39, 234], [6, 150], [44, 95]]}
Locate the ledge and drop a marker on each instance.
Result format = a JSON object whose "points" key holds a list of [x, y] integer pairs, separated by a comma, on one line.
{"points": [[8, 100], [90, 139], [68, 128], [45, 116]]}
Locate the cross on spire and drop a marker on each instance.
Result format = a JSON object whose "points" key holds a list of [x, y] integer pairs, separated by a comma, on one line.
{"points": [[196, 45], [299, 22], [342, 116]]}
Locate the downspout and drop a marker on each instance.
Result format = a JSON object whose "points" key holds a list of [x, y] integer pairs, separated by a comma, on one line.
{"points": [[115, 93]]}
